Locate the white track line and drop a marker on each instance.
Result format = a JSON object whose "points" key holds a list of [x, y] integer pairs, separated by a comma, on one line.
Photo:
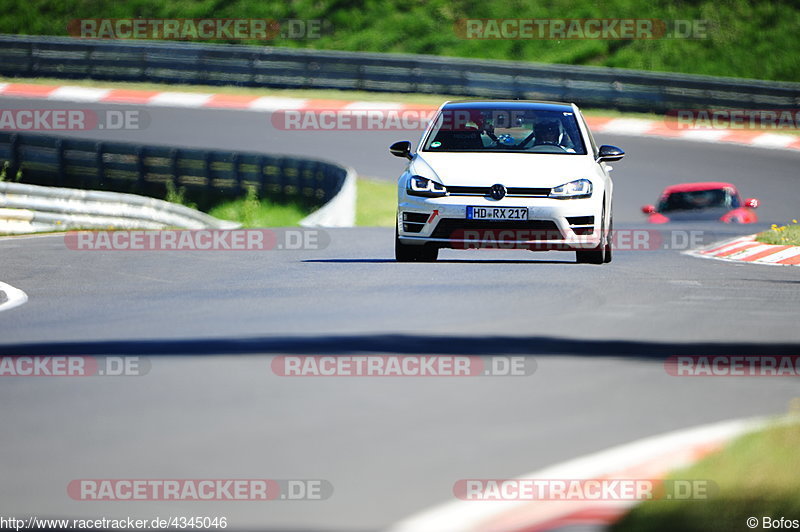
{"points": [[32, 235], [14, 297], [467, 516]]}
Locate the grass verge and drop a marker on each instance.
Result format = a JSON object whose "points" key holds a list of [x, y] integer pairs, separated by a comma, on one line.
{"points": [[757, 475], [252, 212], [376, 205], [786, 235]]}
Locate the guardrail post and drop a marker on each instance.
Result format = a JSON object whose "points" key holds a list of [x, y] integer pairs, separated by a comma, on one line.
{"points": [[237, 176], [140, 181], [173, 162], [206, 174], [61, 173], [415, 77], [14, 163], [261, 184], [98, 161], [29, 61], [282, 178]]}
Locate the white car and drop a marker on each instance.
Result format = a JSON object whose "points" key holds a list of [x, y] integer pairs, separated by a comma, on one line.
{"points": [[505, 174]]}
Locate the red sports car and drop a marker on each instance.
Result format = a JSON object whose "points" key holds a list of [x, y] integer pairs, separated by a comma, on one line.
{"points": [[702, 201]]}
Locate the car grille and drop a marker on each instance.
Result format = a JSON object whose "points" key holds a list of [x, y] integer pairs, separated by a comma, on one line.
{"points": [[511, 191], [546, 229]]}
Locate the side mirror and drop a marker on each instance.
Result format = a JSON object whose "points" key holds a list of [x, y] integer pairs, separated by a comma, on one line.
{"points": [[649, 209], [609, 153], [751, 202], [401, 149]]}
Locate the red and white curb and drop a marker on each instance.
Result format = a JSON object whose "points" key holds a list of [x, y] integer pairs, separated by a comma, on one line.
{"points": [[13, 297], [746, 249], [194, 99], [669, 129], [619, 126], [650, 458]]}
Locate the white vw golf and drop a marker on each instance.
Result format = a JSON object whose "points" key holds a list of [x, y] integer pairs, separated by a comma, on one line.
{"points": [[505, 174]]}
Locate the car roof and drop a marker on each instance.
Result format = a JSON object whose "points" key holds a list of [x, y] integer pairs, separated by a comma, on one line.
{"points": [[693, 187], [509, 104]]}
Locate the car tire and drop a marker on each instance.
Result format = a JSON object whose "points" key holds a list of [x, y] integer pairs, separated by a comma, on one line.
{"points": [[596, 255], [406, 253], [609, 239]]}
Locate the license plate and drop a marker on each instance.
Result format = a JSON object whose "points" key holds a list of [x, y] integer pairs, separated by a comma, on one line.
{"points": [[497, 213]]}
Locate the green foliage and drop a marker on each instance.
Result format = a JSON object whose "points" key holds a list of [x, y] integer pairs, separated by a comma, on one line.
{"points": [[178, 195], [253, 212], [756, 475], [785, 235]]}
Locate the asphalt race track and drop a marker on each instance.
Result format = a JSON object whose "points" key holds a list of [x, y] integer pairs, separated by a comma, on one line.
{"points": [[209, 323]]}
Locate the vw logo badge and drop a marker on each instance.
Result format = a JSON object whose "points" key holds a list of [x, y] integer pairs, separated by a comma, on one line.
{"points": [[498, 192]]}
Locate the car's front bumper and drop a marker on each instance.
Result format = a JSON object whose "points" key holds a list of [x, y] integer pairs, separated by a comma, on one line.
{"points": [[563, 224]]}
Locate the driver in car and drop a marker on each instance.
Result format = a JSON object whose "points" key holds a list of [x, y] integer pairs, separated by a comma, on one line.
{"points": [[547, 134]]}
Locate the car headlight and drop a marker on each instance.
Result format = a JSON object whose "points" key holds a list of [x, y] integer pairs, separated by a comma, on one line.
{"points": [[580, 188], [422, 186]]}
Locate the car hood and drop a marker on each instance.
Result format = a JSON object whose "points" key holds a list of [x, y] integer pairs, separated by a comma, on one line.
{"points": [[509, 169]]}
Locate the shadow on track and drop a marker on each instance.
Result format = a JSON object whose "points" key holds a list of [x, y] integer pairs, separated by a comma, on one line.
{"points": [[450, 261], [400, 344]]}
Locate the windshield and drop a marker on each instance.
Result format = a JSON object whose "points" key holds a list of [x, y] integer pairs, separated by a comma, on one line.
{"points": [[505, 130], [699, 199]]}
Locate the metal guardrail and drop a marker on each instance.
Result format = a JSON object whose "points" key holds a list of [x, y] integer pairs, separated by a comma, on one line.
{"points": [[31, 208], [254, 66], [204, 177]]}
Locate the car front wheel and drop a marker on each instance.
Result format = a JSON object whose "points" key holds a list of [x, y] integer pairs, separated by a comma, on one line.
{"points": [[597, 255], [406, 253]]}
